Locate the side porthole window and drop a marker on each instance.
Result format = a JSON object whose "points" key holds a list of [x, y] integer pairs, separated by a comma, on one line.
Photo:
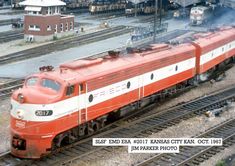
{"points": [[176, 68], [128, 85], [152, 76], [70, 90], [223, 49], [90, 98], [230, 45]]}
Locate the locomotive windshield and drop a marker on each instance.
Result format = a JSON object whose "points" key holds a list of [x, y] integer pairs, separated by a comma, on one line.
{"points": [[47, 83], [44, 82], [32, 81]]}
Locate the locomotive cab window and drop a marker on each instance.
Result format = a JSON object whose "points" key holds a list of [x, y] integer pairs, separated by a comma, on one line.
{"points": [[81, 87], [70, 90], [31, 81]]}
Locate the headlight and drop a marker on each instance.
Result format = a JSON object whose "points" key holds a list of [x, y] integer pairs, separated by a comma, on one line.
{"points": [[20, 113], [20, 98]]}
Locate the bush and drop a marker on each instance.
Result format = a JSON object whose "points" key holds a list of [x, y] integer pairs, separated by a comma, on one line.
{"points": [[55, 38], [221, 163]]}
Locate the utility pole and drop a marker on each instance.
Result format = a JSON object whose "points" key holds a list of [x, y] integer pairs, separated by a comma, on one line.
{"points": [[160, 12], [155, 21], [135, 8]]}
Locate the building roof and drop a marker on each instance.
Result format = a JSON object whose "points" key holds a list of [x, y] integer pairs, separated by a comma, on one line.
{"points": [[137, 1], [42, 3], [185, 3]]}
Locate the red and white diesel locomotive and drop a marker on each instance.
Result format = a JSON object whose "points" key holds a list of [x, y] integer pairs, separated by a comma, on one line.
{"points": [[56, 107]]}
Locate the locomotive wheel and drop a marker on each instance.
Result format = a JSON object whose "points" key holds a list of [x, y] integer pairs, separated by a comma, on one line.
{"points": [[95, 126], [89, 130]]}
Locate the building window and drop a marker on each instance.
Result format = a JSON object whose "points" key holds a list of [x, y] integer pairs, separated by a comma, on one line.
{"points": [[34, 27], [48, 28], [34, 12], [67, 26], [56, 11], [52, 10], [61, 27], [56, 28], [49, 11], [71, 25]]}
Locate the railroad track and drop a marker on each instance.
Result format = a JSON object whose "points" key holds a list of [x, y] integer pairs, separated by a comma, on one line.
{"points": [[108, 15], [13, 12], [143, 127], [8, 21], [11, 35], [190, 155], [83, 150], [7, 88], [76, 11], [65, 44], [5, 7]]}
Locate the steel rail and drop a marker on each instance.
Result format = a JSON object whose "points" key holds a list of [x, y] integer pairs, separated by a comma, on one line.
{"points": [[8, 21], [195, 155], [141, 127], [7, 88], [9, 37], [65, 44]]}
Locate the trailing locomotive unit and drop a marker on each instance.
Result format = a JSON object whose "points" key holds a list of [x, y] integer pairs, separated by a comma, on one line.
{"points": [[56, 107], [143, 7], [146, 7], [200, 14], [77, 4], [103, 6]]}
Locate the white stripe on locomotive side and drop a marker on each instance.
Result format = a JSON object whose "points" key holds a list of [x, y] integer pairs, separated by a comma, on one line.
{"points": [[71, 105], [168, 71], [216, 52]]}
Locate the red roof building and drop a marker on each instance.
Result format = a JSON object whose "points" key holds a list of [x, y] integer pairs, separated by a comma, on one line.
{"points": [[43, 20]]}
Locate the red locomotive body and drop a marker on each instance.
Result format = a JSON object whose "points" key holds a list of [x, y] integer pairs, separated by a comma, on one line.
{"points": [[214, 48], [55, 107]]}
